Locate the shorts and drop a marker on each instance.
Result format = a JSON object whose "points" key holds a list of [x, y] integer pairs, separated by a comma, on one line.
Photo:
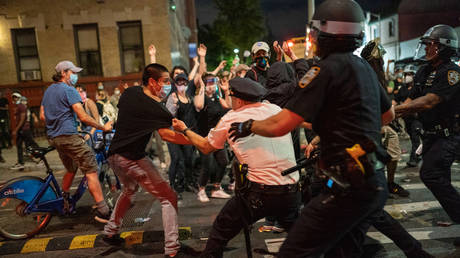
{"points": [[75, 153], [391, 143]]}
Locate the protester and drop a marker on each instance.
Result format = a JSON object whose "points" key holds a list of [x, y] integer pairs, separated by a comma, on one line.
{"points": [[260, 53], [90, 108], [115, 98], [106, 111]]}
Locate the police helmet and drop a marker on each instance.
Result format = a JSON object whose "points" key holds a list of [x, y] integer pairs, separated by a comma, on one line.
{"points": [[338, 24], [410, 69], [444, 35]]}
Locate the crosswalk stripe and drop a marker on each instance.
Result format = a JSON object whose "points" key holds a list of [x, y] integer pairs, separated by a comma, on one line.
{"points": [[413, 206], [422, 186], [426, 233]]}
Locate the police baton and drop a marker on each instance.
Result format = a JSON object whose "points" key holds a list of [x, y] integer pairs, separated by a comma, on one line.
{"points": [[303, 162]]}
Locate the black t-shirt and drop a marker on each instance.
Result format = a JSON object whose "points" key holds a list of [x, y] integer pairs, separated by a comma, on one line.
{"points": [[443, 81], [257, 75], [3, 104], [343, 100], [210, 115], [187, 113], [138, 116]]}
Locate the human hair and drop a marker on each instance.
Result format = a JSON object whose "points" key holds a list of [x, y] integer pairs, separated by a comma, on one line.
{"points": [[57, 76], [82, 86], [178, 67], [207, 75], [152, 71]]}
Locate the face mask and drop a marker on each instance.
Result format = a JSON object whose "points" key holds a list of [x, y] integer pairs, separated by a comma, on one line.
{"points": [[18, 102], [83, 96], [73, 79], [117, 92], [399, 75], [181, 88], [262, 61], [408, 79], [165, 90]]}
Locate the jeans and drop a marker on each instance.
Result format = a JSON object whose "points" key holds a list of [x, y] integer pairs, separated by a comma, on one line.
{"points": [[328, 223], [438, 155], [133, 173], [25, 137], [180, 170], [216, 161]]}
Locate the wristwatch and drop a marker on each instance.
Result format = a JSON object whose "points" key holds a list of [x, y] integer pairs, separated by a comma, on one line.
{"points": [[185, 131]]}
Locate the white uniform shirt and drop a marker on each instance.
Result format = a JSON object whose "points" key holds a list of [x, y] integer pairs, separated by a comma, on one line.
{"points": [[266, 157]]}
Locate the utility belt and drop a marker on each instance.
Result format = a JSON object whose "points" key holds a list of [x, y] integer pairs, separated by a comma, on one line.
{"points": [[441, 131], [350, 169], [272, 189]]}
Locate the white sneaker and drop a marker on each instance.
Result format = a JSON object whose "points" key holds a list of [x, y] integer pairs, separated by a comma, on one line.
{"points": [[202, 197], [17, 166], [220, 194]]}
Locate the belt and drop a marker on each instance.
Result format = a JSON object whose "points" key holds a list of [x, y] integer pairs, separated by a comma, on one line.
{"points": [[273, 189], [439, 131]]}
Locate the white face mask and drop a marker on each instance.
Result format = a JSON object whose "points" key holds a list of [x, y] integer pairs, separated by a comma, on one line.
{"points": [[408, 79], [181, 88], [117, 92]]}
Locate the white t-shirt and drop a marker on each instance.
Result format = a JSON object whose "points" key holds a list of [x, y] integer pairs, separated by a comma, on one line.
{"points": [[266, 157]]}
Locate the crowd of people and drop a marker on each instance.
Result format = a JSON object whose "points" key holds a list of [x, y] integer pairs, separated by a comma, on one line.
{"points": [[248, 120]]}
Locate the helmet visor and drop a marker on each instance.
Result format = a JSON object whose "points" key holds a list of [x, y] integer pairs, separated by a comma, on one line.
{"points": [[420, 54]]}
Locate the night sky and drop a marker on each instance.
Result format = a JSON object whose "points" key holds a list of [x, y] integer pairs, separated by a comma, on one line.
{"points": [[287, 18]]}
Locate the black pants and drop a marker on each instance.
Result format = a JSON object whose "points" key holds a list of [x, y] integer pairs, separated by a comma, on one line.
{"points": [[5, 138], [284, 207], [180, 170], [25, 137], [438, 155], [329, 224], [217, 162]]}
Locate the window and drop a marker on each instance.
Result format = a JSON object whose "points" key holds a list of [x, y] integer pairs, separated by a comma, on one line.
{"points": [[131, 46], [391, 29], [26, 52], [87, 46]]}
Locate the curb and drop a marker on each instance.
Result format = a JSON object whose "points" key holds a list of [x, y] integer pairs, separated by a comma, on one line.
{"points": [[84, 241]]}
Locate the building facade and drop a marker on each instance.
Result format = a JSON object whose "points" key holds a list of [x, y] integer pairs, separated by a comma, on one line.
{"points": [[109, 39]]}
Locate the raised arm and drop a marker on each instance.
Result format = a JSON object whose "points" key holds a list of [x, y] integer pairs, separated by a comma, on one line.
{"points": [[194, 70], [153, 53], [198, 100], [221, 66]]}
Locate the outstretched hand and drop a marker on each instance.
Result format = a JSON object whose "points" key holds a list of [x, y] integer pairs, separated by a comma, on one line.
{"points": [[152, 50], [240, 130], [202, 50]]}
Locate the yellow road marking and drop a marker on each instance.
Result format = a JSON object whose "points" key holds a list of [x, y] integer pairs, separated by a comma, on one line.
{"points": [[86, 241], [35, 245], [132, 237], [185, 233]]}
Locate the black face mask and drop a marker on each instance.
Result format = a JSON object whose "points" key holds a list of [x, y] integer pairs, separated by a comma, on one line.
{"points": [[262, 61]]}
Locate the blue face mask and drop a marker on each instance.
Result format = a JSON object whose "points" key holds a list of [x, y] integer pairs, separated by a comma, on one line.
{"points": [[262, 61], [165, 90], [73, 79]]}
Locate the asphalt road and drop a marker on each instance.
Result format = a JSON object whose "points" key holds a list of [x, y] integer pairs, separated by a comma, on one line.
{"points": [[79, 235]]}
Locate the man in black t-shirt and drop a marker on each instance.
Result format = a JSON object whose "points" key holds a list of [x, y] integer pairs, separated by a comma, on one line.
{"points": [[140, 112]]}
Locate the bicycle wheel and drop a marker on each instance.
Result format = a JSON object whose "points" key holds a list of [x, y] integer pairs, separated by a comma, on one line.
{"points": [[14, 224]]}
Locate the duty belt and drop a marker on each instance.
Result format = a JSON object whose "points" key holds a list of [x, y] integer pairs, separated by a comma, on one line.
{"points": [[439, 131], [273, 189]]}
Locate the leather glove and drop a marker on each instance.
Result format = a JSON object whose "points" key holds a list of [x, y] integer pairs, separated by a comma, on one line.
{"points": [[240, 130]]}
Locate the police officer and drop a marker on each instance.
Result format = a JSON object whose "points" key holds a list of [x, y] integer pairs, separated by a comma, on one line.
{"points": [[435, 98], [260, 53], [342, 98], [268, 192]]}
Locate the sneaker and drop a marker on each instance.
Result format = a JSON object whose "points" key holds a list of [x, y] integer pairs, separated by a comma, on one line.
{"points": [[278, 229], [17, 166], [394, 188], [231, 187], [220, 194], [102, 218], [113, 240], [202, 197], [266, 228]]}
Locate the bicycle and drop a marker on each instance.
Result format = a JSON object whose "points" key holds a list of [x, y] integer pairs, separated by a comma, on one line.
{"points": [[34, 200]]}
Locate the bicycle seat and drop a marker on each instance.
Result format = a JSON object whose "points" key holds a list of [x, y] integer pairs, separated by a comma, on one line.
{"points": [[39, 152]]}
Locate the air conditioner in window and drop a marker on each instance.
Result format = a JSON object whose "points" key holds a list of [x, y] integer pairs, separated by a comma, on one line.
{"points": [[31, 75]]}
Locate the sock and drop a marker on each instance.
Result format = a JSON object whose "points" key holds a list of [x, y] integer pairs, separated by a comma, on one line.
{"points": [[102, 207]]}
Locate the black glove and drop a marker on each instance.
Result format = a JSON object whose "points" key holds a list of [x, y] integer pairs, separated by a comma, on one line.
{"points": [[240, 130]]}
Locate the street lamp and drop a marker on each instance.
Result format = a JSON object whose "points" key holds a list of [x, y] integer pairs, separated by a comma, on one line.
{"points": [[236, 50]]}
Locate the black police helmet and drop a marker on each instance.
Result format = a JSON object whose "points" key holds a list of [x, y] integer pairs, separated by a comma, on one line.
{"points": [[339, 24], [445, 36]]}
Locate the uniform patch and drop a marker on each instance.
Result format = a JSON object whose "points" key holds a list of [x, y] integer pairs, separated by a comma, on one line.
{"points": [[309, 76], [453, 77]]}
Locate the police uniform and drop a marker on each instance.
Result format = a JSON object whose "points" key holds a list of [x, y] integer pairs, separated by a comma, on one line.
{"points": [[441, 132], [268, 192]]}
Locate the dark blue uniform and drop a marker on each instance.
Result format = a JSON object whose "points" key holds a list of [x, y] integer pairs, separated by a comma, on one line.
{"points": [[441, 132], [344, 101]]}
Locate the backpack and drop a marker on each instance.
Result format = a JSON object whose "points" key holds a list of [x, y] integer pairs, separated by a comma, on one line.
{"points": [[108, 111]]}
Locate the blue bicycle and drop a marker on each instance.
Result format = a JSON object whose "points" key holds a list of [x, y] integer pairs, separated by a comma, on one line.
{"points": [[32, 201]]}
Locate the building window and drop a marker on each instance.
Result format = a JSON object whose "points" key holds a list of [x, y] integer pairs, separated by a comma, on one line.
{"points": [[391, 28], [26, 52], [131, 46], [88, 51]]}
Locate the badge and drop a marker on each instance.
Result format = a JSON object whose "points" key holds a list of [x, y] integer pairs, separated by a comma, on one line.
{"points": [[453, 77], [309, 76]]}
